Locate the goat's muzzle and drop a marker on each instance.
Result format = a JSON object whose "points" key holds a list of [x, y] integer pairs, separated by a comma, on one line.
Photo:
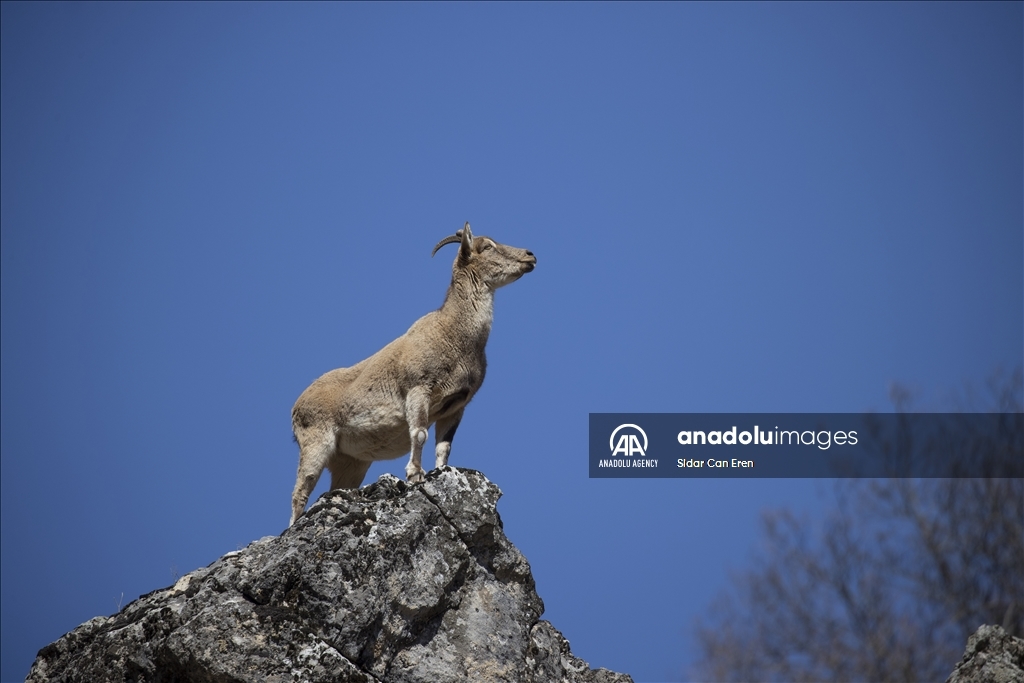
{"points": [[530, 261]]}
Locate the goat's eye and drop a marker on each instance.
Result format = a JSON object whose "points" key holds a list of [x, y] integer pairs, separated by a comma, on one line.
{"points": [[487, 246]]}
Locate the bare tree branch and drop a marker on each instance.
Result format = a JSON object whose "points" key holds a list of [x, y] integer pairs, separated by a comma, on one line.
{"points": [[890, 585]]}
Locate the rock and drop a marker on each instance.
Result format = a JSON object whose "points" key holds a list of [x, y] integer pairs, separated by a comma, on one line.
{"points": [[992, 656], [390, 583]]}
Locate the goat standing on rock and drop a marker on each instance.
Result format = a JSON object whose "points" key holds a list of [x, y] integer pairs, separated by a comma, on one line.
{"points": [[380, 408]]}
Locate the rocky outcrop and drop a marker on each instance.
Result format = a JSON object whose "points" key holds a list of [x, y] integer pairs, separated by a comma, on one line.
{"points": [[992, 656], [389, 583]]}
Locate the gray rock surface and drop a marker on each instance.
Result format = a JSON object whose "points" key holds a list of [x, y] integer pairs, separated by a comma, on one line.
{"points": [[992, 656], [390, 583]]}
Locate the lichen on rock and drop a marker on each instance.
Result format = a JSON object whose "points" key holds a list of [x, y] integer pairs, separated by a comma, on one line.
{"points": [[992, 656], [390, 583]]}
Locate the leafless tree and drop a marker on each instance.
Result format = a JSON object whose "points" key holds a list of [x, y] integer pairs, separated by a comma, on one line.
{"points": [[890, 585]]}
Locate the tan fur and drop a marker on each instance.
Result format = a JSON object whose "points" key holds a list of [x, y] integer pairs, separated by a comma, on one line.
{"points": [[381, 408]]}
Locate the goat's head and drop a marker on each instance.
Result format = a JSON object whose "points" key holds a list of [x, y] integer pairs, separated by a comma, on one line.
{"points": [[488, 262]]}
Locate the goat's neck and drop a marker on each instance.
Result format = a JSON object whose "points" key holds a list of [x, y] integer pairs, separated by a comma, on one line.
{"points": [[470, 308]]}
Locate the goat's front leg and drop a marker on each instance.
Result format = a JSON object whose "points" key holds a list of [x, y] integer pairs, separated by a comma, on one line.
{"points": [[444, 432], [417, 412]]}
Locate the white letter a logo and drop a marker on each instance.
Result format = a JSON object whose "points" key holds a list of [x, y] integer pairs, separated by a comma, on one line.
{"points": [[628, 445]]}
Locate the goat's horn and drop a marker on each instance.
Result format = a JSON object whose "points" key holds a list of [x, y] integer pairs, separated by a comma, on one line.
{"points": [[451, 239]]}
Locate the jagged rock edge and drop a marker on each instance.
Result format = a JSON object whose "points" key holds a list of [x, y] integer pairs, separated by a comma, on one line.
{"points": [[368, 493], [403, 488], [193, 582], [190, 590], [564, 647]]}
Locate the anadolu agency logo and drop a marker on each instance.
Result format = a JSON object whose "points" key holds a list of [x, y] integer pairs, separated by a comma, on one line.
{"points": [[628, 446]]}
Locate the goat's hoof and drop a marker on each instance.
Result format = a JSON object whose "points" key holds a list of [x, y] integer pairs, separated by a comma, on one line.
{"points": [[416, 477]]}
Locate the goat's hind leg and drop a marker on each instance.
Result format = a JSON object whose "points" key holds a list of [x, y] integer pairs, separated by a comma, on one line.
{"points": [[346, 471], [315, 450]]}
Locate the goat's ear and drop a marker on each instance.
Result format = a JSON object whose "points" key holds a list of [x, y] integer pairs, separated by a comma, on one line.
{"points": [[466, 247]]}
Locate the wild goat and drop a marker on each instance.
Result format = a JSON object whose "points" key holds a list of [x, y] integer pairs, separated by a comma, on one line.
{"points": [[380, 408]]}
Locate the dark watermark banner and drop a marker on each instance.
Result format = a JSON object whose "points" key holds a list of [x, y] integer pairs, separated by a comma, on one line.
{"points": [[806, 445]]}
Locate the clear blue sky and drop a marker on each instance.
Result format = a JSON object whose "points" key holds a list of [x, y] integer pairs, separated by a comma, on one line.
{"points": [[735, 207]]}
